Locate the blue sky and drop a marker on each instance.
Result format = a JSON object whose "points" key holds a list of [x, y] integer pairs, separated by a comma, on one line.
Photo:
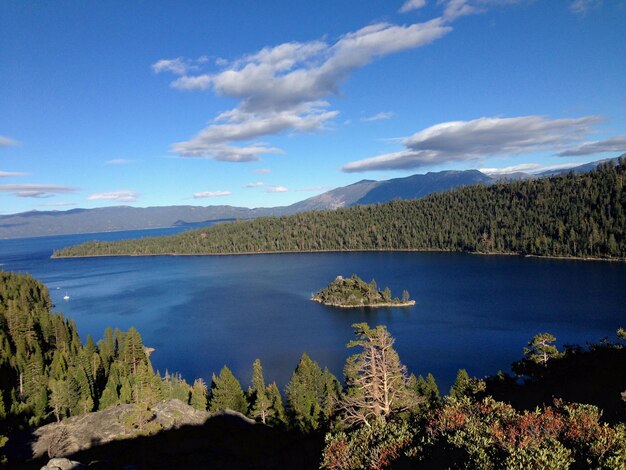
{"points": [[255, 104]]}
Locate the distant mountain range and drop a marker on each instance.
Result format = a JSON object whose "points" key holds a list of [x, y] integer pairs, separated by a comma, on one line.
{"points": [[107, 219]]}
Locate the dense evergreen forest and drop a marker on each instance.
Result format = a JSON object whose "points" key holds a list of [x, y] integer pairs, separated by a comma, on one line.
{"points": [[382, 417], [577, 215]]}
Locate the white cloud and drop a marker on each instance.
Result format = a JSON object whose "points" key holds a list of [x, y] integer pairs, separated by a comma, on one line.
{"points": [[276, 189], [262, 171], [117, 196], [283, 88], [118, 161], [195, 83], [36, 190], [581, 7], [7, 142], [382, 116], [612, 144], [177, 66], [9, 174], [224, 153], [214, 141], [411, 5], [211, 194], [258, 184], [526, 168], [479, 138]]}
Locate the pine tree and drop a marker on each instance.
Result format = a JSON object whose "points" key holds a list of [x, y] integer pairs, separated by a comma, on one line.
{"points": [[377, 384], [199, 395], [276, 414], [261, 403], [308, 395], [126, 390], [226, 393], [541, 349], [133, 352], [109, 396], [462, 385], [59, 398]]}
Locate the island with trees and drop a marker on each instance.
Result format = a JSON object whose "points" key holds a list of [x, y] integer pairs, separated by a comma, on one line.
{"points": [[354, 292]]}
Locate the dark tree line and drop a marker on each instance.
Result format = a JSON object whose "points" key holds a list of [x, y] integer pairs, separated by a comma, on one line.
{"points": [[580, 215]]}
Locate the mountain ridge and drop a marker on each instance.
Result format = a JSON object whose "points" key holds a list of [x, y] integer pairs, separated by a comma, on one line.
{"points": [[363, 192]]}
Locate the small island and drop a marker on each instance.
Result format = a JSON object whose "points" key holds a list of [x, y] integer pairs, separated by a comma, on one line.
{"points": [[354, 292]]}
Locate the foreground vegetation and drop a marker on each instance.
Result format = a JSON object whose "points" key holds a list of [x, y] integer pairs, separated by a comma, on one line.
{"points": [[576, 215], [382, 417], [355, 292]]}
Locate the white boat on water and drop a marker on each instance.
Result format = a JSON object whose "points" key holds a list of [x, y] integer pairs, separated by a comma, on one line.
{"points": [[66, 297]]}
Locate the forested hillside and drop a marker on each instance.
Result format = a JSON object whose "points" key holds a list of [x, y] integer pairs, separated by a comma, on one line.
{"points": [[46, 373], [578, 215]]}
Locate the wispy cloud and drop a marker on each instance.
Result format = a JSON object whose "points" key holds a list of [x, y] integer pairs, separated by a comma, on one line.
{"points": [[612, 144], [479, 138], [211, 194], [7, 142], [10, 174], [118, 161], [36, 190], [526, 168], [382, 116], [411, 5], [582, 7], [116, 196], [258, 184], [276, 189], [262, 171], [57, 204], [177, 66]]}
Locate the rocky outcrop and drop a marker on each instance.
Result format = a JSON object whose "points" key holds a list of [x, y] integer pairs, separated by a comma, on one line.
{"points": [[82, 432], [187, 438]]}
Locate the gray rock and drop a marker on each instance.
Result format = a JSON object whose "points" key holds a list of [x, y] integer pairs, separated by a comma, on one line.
{"points": [[82, 432], [63, 464]]}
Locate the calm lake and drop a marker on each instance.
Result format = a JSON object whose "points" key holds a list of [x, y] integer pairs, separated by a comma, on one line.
{"points": [[473, 312]]}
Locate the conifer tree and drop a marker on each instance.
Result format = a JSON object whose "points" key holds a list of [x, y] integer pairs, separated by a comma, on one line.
{"points": [[126, 390], [276, 414], [427, 389], [110, 395], [261, 404], [59, 398], [226, 393], [133, 352], [377, 384], [462, 385], [540, 350], [311, 395], [199, 395]]}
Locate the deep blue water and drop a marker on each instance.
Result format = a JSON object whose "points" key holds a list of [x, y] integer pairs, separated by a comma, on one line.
{"points": [[476, 312]]}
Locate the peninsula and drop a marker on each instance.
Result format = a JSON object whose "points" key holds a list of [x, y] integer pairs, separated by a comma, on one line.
{"points": [[354, 292], [578, 215]]}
